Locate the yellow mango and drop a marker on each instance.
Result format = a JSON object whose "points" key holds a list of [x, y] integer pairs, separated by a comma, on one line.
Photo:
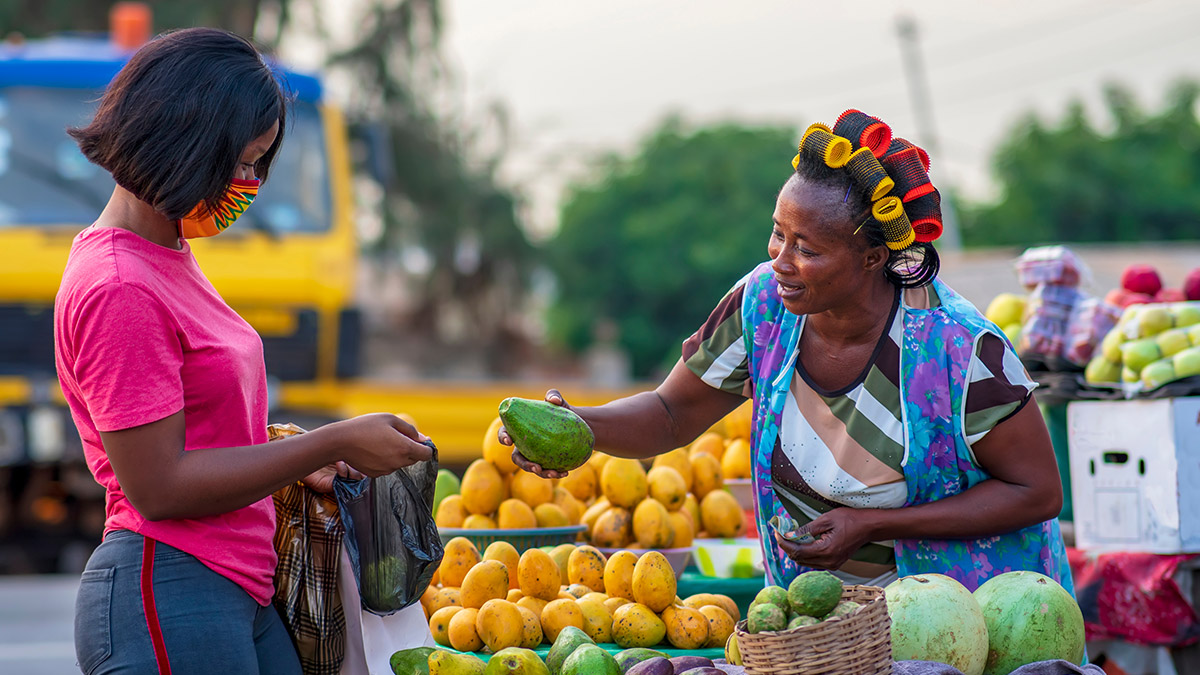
{"points": [[507, 554], [623, 482], [499, 625], [612, 604], [597, 462], [462, 633], [735, 463], [618, 574], [667, 486], [550, 515], [531, 628], [613, 528], [458, 557], [577, 591], [687, 628], [562, 557], [538, 575], [514, 594], [569, 505], [654, 582], [702, 600], [720, 625], [681, 525], [482, 488], [722, 515], [582, 482], [597, 620], [531, 488], [559, 614], [439, 624], [652, 525], [585, 566], [738, 422], [446, 662], [692, 507], [533, 604], [515, 514], [595, 595], [488, 580], [478, 521], [709, 443], [450, 512], [636, 625], [676, 459], [593, 512], [494, 451], [445, 597], [706, 475]]}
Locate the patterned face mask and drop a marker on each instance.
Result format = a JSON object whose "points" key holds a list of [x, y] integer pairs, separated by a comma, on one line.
{"points": [[204, 223]]}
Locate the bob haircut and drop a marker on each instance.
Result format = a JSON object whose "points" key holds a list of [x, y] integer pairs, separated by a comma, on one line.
{"points": [[173, 124]]}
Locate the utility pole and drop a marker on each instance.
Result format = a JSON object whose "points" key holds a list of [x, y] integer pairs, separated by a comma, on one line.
{"points": [[918, 91]]}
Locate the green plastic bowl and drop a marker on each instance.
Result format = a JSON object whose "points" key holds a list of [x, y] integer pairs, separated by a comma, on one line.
{"points": [[522, 540]]}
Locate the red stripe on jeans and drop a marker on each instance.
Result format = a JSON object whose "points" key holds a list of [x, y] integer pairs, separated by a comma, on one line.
{"points": [[156, 638]]}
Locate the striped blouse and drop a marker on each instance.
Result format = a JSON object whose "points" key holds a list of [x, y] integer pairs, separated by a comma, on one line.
{"points": [[845, 447]]}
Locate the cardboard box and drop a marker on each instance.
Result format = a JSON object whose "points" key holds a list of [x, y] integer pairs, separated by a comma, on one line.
{"points": [[1135, 474]]}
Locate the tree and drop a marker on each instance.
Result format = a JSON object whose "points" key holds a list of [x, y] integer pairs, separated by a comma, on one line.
{"points": [[653, 241], [1074, 182]]}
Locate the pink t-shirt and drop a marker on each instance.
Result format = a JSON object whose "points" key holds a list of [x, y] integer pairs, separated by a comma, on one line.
{"points": [[140, 334]]}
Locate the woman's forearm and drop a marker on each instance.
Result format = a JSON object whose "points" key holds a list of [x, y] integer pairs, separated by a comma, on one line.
{"points": [[990, 508], [636, 427]]}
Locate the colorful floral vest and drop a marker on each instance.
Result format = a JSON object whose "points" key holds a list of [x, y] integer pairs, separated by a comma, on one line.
{"points": [[936, 351]]}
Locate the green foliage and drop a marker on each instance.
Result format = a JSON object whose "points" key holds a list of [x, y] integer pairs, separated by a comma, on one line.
{"points": [[653, 241], [1075, 183]]}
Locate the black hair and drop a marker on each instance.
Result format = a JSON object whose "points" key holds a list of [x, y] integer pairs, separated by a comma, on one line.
{"points": [[912, 267], [173, 124]]}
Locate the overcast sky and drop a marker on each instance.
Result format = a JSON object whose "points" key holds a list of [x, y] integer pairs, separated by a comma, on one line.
{"points": [[581, 78]]}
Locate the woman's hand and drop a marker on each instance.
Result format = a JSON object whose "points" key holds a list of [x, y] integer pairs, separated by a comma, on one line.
{"points": [[321, 480], [377, 444], [838, 534], [555, 398]]}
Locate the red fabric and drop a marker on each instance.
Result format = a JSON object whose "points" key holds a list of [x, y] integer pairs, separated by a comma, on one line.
{"points": [[1133, 597], [149, 608]]}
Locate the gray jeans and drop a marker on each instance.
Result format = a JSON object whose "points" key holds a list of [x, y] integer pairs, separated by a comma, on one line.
{"points": [[172, 615]]}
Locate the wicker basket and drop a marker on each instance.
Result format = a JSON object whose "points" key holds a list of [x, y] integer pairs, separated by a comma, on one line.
{"points": [[521, 540], [859, 644]]}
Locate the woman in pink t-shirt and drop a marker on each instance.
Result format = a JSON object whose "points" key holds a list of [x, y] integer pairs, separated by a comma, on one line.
{"points": [[167, 384]]}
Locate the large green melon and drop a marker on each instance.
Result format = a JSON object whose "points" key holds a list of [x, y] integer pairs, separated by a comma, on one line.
{"points": [[935, 618], [1030, 618]]}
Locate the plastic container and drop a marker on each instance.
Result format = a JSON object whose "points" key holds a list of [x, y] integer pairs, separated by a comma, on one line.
{"points": [[522, 540], [729, 558]]}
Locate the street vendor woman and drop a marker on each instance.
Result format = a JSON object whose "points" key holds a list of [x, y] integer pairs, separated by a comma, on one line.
{"points": [[892, 421]]}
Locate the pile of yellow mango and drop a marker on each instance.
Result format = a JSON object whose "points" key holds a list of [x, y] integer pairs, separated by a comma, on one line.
{"points": [[503, 599]]}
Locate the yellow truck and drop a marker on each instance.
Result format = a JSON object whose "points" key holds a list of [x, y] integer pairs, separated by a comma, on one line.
{"points": [[289, 267]]}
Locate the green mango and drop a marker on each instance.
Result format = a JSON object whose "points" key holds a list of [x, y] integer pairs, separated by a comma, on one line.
{"points": [[515, 661], [447, 484], [411, 661], [548, 434], [590, 660], [629, 658], [569, 639], [443, 662]]}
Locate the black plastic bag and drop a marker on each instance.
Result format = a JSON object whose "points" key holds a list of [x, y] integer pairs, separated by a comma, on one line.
{"points": [[391, 538]]}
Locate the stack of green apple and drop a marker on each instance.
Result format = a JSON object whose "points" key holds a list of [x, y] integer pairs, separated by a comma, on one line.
{"points": [[1150, 346]]}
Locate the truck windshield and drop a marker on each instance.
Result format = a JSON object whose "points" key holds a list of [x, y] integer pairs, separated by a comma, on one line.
{"points": [[45, 180]]}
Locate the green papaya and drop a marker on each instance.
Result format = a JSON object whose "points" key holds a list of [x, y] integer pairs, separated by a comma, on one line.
{"points": [[550, 435]]}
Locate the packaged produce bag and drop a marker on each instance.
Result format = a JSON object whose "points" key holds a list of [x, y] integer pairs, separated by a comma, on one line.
{"points": [[391, 538], [308, 541]]}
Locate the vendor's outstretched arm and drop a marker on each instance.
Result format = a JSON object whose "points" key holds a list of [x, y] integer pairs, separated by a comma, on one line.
{"points": [[1024, 490], [649, 423]]}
